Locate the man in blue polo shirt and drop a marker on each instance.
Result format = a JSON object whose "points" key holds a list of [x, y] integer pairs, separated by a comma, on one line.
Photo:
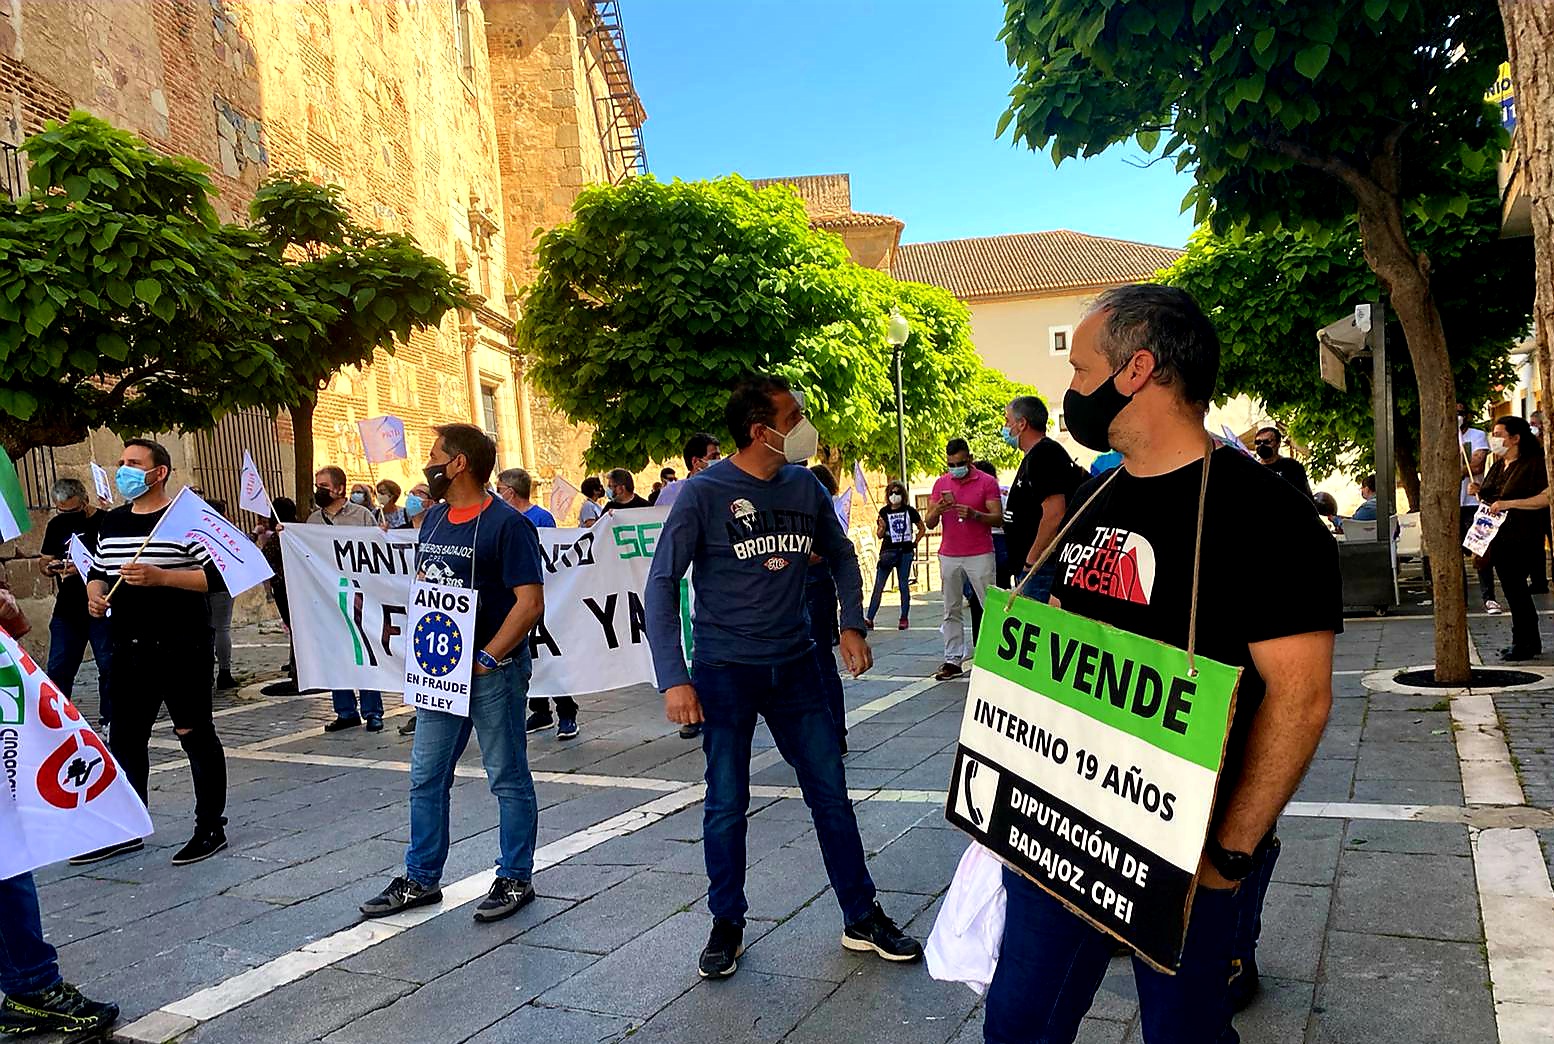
{"points": [[748, 524], [473, 540]]}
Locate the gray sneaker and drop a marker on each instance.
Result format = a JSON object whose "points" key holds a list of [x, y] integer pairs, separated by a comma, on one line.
{"points": [[401, 894], [506, 898]]}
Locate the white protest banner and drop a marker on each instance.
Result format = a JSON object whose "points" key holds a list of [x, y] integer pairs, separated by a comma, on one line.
{"points": [[100, 480], [1088, 762], [350, 594], [1482, 532], [80, 557], [383, 439], [562, 496], [235, 557], [859, 482], [669, 494], [253, 496], [843, 503], [441, 664], [61, 793]]}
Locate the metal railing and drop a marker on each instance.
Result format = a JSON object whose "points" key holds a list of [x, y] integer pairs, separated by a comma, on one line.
{"points": [[37, 471], [13, 180], [218, 457]]}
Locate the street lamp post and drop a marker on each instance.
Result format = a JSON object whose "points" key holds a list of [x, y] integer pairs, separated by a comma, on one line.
{"points": [[897, 331]]}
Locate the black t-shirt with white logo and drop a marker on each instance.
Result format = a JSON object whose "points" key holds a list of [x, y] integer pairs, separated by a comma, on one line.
{"points": [[1270, 568], [900, 527], [1046, 471]]}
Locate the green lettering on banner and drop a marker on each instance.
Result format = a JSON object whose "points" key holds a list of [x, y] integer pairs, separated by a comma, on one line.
{"points": [[637, 541], [1120, 679]]}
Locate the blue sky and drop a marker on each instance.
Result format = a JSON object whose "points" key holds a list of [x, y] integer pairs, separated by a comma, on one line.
{"points": [[903, 95]]}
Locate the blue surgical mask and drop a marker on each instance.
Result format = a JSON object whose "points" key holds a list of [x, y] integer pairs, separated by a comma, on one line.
{"points": [[1009, 437], [359, 498], [131, 482], [960, 471], [412, 505]]}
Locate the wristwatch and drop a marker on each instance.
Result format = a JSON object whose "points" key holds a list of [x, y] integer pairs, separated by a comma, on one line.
{"points": [[1232, 866], [487, 661]]}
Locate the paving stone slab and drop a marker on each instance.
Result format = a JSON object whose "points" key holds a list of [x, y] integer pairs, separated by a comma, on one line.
{"points": [[1327, 779], [1295, 919], [921, 861], [308, 1009], [168, 976], [1387, 988], [532, 1023], [1405, 726], [436, 947], [1426, 896], [751, 1007], [1409, 761], [148, 936], [808, 944], [1339, 741], [1412, 838], [614, 917], [643, 976], [1408, 792], [1308, 852], [286, 928], [327, 873]]}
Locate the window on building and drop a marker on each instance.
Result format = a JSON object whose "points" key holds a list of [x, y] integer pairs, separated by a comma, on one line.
{"points": [[1062, 426], [488, 412], [1058, 338], [464, 37]]}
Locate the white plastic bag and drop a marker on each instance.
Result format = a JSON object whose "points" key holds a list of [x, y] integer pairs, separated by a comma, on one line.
{"points": [[967, 934]]}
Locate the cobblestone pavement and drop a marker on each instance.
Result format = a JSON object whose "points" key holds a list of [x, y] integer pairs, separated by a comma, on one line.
{"points": [[1373, 929]]}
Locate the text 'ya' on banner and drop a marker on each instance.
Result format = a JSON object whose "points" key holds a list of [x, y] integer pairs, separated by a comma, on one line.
{"points": [[1088, 762]]}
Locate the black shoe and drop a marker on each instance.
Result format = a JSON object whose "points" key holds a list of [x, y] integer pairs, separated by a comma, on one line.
{"points": [[224, 680], [58, 1009], [98, 855], [401, 894], [408, 728], [1244, 983], [340, 724], [879, 933], [538, 721], [947, 671], [374, 724], [690, 731], [205, 843], [506, 898], [566, 728], [1512, 654], [720, 957], [284, 687]]}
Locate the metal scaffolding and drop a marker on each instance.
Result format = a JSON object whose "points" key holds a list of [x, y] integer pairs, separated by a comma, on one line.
{"points": [[619, 112]]}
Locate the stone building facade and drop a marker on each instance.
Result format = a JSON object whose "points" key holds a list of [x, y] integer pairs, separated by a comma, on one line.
{"points": [[463, 123]]}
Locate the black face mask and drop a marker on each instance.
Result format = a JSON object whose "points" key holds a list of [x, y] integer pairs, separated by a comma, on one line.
{"points": [[1266, 451], [323, 496], [1089, 417], [437, 481]]}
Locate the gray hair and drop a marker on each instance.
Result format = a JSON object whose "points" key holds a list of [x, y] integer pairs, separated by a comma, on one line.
{"points": [[68, 489], [1031, 410], [1166, 322], [517, 480]]}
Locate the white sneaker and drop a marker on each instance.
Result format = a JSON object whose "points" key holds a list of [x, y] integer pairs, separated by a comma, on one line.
{"points": [[1493, 608]]}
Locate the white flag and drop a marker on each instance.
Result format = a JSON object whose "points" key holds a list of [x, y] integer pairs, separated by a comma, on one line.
{"points": [[844, 508], [79, 556], [383, 439], [67, 794], [859, 482], [254, 496], [100, 480], [237, 559], [562, 496]]}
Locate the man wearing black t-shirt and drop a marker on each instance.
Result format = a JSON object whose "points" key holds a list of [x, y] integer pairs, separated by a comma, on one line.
{"points": [[623, 491], [72, 627], [1266, 443], [1145, 364], [1033, 510]]}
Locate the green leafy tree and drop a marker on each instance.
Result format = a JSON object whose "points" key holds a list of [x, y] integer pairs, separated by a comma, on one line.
{"points": [[656, 297], [1267, 293], [121, 296], [1293, 115], [334, 292]]}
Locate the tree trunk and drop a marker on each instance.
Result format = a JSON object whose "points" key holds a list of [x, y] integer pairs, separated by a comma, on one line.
{"points": [[1407, 459], [1529, 36], [302, 447], [1406, 276]]}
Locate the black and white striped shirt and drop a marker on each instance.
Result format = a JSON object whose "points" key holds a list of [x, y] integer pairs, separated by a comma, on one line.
{"points": [[163, 611]]}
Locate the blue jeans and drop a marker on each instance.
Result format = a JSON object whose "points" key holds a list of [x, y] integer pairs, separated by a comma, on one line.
{"points": [[900, 563], [27, 962], [345, 703], [68, 639], [496, 713], [789, 696], [1249, 925], [1052, 963], [1039, 589], [820, 602]]}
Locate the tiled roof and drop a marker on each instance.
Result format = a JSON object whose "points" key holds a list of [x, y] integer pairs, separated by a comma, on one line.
{"points": [[856, 219], [824, 195], [1029, 263]]}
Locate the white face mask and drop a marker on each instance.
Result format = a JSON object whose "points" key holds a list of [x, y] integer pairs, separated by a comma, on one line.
{"points": [[1497, 445], [799, 444], [896, 498]]}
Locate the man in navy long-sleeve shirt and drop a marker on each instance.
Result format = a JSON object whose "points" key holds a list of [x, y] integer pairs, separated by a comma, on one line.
{"points": [[748, 525]]}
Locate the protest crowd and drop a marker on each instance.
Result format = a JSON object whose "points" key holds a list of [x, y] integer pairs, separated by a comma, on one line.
{"points": [[1146, 539]]}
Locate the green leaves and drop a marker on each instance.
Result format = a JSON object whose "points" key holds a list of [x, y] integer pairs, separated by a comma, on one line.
{"points": [[1312, 60], [148, 290]]}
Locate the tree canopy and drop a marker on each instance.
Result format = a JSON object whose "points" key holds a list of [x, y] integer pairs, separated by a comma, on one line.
{"points": [[656, 297]]}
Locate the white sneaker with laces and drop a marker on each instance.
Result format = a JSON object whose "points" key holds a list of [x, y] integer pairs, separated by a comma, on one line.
{"points": [[1493, 608]]}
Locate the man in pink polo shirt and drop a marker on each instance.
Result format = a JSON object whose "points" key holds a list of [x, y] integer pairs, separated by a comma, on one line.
{"points": [[969, 502]]}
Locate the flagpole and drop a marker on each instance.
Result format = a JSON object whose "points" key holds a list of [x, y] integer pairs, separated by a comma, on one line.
{"points": [[144, 544]]}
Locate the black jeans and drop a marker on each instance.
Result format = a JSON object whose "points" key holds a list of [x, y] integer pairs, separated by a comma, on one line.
{"points": [[825, 631], [566, 707], [175, 670], [1486, 572], [1514, 557]]}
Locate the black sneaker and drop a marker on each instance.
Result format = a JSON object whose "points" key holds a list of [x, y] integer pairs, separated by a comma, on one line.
{"points": [[408, 728], [98, 855], [720, 957], [205, 843], [284, 687], [566, 728], [947, 671], [340, 724], [538, 721], [401, 894], [879, 933], [374, 724], [59, 1009], [690, 731], [506, 898], [224, 680]]}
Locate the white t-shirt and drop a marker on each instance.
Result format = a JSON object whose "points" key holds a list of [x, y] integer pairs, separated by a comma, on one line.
{"points": [[1474, 440]]}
